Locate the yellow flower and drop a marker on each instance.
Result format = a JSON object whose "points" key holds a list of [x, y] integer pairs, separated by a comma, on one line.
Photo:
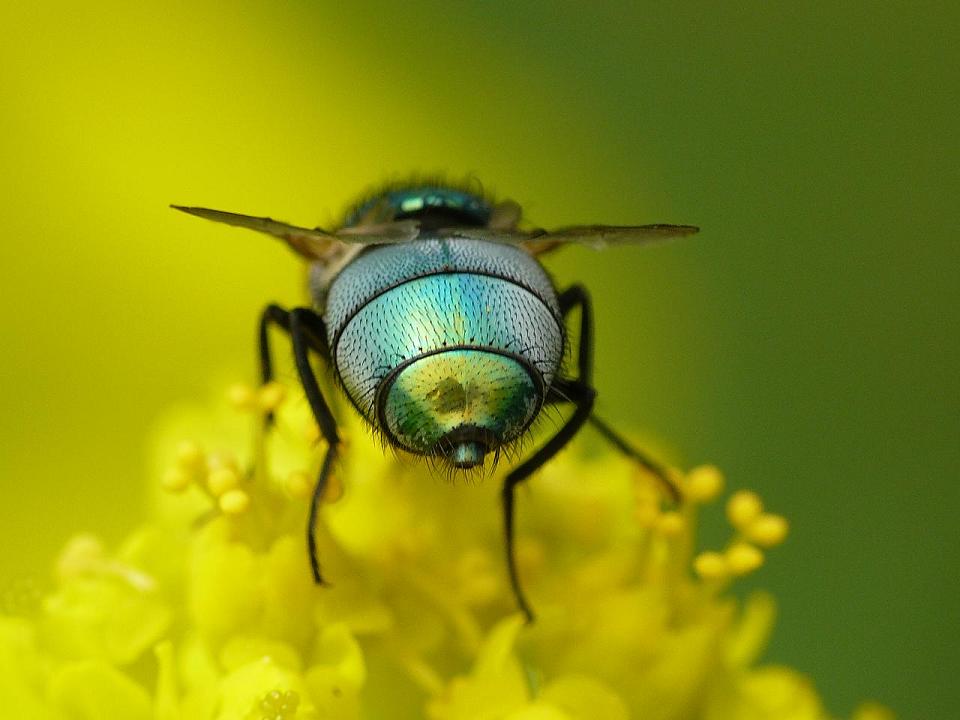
{"points": [[208, 609]]}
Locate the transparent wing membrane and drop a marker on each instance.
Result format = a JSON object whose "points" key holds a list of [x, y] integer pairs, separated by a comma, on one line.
{"points": [[312, 243], [319, 244], [540, 241]]}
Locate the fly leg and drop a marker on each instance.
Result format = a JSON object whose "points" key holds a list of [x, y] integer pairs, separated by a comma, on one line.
{"points": [[581, 394], [644, 460], [572, 297], [583, 401], [307, 333], [280, 317]]}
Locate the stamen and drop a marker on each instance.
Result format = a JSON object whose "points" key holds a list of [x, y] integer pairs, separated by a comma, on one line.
{"points": [[703, 484], [334, 489], [873, 711], [768, 530], [277, 705], [190, 456], [188, 468], [743, 507], [176, 480], [221, 480], [216, 461], [711, 565], [270, 396], [743, 558], [242, 397], [671, 524], [298, 485], [647, 513], [234, 502]]}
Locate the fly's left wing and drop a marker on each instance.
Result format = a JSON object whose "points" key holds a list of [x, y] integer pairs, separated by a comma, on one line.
{"points": [[538, 242], [600, 236], [314, 244]]}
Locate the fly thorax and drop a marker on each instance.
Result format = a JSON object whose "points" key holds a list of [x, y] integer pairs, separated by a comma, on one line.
{"points": [[446, 346]]}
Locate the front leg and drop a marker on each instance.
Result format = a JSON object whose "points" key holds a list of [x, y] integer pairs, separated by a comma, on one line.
{"points": [[306, 332], [277, 316]]}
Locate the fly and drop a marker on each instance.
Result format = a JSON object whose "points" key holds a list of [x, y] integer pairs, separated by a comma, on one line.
{"points": [[444, 331]]}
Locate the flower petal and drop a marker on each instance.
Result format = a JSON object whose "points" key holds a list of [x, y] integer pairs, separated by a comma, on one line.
{"points": [[93, 690]]}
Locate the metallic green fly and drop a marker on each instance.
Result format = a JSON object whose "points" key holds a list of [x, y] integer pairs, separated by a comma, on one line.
{"points": [[444, 331]]}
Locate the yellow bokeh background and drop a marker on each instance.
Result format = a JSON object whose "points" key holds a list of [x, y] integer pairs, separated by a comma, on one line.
{"points": [[805, 341]]}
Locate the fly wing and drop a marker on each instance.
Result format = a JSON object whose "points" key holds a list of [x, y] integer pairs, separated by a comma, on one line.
{"points": [[313, 243], [537, 242], [600, 236]]}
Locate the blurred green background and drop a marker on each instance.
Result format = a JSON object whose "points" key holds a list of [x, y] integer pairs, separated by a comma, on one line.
{"points": [[806, 341]]}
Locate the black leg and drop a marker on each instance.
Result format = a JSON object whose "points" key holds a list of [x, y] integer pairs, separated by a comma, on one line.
{"points": [[582, 397], [315, 499], [651, 465], [275, 315], [570, 298], [581, 394], [306, 332], [280, 317], [303, 325]]}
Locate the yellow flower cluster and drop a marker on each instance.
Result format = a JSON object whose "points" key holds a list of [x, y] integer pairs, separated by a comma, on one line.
{"points": [[208, 610]]}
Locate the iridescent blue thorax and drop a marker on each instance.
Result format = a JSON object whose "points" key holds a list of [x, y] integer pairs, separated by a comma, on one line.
{"points": [[447, 345], [431, 203]]}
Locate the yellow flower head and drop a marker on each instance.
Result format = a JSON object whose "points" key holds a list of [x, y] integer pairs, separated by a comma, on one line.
{"points": [[208, 610]]}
